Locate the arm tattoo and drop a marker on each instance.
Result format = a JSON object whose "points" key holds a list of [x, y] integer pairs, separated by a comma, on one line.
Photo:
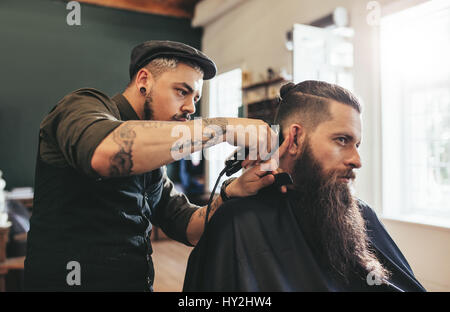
{"points": [[150, 123], [214, 206], [122, 161], [219, 121], [213, 136], [180, 147], [190, 146], [154, 124]]}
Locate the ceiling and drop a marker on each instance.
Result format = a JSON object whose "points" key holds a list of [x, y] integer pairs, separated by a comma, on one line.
{"points": [[176, 8]]}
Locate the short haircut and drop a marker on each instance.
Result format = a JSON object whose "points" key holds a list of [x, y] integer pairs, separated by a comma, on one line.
{"points": [[308, 103], [162, 64]]}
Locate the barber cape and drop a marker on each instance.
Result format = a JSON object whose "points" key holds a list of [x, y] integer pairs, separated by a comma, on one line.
{"points": [[256, 244]]}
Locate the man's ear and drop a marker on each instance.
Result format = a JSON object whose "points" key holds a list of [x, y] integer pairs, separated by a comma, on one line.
{"points": [[144, 78], [295, 136]]}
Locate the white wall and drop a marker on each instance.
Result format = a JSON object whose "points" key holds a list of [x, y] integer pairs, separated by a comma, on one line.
{"points": [[252, 36], [427, 250]]}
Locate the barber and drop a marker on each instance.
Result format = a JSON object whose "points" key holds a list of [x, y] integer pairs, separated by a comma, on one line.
{"points": [[100, 179]]}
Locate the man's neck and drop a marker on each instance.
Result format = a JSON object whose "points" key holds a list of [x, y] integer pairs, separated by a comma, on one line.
{"points": [[135, 102]]}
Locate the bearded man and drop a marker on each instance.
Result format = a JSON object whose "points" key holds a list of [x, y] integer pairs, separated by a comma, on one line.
{"points": [[317, 236]]}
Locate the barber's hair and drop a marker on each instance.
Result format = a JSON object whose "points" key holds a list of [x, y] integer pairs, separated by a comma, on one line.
{"points": [[162, 64], [308, 102]]}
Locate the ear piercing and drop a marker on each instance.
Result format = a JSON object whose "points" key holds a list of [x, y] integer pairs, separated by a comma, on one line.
{"points": [[143, 90]]}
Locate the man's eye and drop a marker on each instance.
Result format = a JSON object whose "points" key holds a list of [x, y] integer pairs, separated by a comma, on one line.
{"points": [[342, 140], [182, 92]]}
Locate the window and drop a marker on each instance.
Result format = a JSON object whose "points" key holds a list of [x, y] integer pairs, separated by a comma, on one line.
{"points": [[323, 54], [415, 82], [225, 98]]}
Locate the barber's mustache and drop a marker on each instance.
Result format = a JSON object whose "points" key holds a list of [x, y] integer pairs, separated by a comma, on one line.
{"points": [[186, 116]]}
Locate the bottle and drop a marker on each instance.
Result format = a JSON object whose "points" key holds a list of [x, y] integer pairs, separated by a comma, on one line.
{"points": [[3, 212]]}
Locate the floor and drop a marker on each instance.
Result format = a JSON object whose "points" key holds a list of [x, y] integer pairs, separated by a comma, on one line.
{"points": [[170, 259]]}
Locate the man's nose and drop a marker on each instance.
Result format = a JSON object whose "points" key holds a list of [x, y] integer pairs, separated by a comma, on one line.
{"points": [[354, 159], [189, 106]]}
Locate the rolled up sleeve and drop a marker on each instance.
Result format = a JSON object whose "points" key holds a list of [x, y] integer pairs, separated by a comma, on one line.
{"points": [[75, 127]]}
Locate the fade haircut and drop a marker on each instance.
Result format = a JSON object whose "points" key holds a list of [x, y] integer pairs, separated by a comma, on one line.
{"points": [[308, 103], [162, 64]]}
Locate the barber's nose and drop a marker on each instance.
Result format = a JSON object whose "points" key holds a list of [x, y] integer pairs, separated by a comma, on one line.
{"points": [[189, 106], [354, 160]]}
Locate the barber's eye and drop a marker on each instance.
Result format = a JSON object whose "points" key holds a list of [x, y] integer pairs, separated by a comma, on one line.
{"points": [[182, 92]]}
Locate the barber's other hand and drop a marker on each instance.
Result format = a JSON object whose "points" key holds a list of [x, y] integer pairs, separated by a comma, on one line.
{"points": [[277, 155], [252, 180], [257, 176]]}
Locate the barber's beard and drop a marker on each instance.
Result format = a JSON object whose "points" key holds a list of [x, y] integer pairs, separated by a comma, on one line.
{"points": [[148, 109], [149, 112], [331, 220]]}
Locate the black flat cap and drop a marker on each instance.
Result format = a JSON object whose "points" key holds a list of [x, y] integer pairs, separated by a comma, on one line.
{"points": [[149, 50]]}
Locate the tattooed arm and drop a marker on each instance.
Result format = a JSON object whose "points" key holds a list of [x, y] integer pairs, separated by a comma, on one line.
{"points": [[136, 147], [140, 146]]}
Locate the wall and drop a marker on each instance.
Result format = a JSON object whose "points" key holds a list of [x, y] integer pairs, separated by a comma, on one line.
{"points": [[252, 36], [42, 59], [427, 249]]}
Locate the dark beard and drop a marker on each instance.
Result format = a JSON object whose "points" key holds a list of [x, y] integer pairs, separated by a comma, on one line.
{"points": [[332, 222], [148, 111]]}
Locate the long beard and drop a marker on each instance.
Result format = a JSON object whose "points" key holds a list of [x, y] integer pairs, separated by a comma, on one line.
{"points": [[332, 222]]}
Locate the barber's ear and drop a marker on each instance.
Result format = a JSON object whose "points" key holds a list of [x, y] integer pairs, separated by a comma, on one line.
{"points": [[144, 79], [295, 137]]}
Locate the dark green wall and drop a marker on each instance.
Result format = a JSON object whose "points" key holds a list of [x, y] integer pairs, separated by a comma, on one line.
{"points": [[42, 59]]}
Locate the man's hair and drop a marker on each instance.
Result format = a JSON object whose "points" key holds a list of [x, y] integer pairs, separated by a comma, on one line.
{"points": [[162, 64], [308, 103]]}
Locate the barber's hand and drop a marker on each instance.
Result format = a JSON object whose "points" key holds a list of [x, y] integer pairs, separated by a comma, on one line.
{"points": [[254, 134], [252, 180], [248, 163], [259, 176]]}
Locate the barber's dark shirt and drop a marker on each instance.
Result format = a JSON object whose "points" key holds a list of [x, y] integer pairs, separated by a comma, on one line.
{"points": [[102, 224]]}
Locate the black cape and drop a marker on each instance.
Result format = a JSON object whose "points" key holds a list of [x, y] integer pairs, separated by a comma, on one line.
{"points": [[256, 244]]}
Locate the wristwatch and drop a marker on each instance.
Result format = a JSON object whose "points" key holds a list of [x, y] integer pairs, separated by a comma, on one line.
{"points": [[225, 183]]}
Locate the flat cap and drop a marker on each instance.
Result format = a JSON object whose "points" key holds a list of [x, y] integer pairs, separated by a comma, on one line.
{"points": [[149, 50]]}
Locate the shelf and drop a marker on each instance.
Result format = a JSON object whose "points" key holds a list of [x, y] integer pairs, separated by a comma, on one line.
{"points": [[264, 84], [260, 101]]}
